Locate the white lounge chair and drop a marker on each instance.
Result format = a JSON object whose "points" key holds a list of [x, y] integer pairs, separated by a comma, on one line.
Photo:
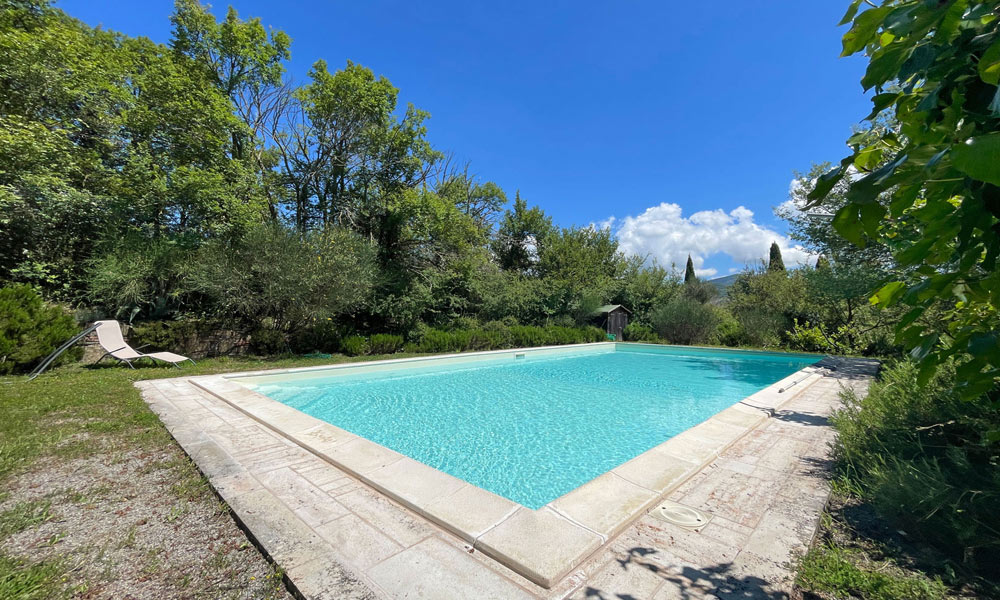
{"points": [[109, 336]]}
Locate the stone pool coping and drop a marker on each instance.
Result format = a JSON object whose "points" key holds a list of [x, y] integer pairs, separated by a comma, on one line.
{"points": [[543, 545]]}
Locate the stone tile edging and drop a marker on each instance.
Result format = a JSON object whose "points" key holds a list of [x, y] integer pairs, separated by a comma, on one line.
{"points": [[542, 545]]}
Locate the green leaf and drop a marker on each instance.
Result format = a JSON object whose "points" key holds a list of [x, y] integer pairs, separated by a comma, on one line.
{"points": [[901, 19], [889, 293], [871, 217], [848, 224], [884, 65], [925, 347], [863, 30], [983, 343], [851, 11], [947, 31], [868, 158], [885, 171], [989, 64], [825, 183], [979, 158]]}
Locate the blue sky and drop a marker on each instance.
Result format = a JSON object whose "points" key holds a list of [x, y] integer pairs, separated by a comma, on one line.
{"points": [[647, 112]]}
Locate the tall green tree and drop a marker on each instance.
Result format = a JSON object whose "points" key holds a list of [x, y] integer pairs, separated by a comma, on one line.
{"points": [[936, 66], [689, 275], [521, 231], [481, 201], [774, 261]]}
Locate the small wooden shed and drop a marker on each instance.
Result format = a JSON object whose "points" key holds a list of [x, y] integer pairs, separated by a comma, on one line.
{"points": [[613, 318]]}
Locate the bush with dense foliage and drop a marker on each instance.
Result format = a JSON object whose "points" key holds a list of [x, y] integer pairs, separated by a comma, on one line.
{"points": [[275, 278], [766, 303], [354, 345], [385, 343], [923, 457], [638, 332], [684, 320], [30, 329]]}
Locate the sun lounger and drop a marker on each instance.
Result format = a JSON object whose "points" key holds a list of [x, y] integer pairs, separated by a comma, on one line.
{"points": [[109, 335]]}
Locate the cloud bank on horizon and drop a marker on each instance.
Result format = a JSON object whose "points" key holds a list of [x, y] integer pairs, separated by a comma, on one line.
{"points": [[663, 233]]}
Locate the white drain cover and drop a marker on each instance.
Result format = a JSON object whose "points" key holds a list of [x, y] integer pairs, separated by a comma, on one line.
{"points": [[682, 516]]}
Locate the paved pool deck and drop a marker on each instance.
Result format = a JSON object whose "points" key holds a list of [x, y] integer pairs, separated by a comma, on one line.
{"points": [[336, 537]]}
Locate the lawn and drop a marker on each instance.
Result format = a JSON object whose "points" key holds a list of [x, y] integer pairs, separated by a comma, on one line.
{"points": [[100, 502]]}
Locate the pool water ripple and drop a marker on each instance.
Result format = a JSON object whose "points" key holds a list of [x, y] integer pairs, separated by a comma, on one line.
{"points": [[533, 430]]}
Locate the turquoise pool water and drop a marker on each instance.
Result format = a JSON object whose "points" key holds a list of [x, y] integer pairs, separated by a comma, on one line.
{"points": [[536, 428]]}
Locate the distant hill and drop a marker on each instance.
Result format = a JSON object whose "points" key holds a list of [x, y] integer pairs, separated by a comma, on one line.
{"points": [[723, 283]]}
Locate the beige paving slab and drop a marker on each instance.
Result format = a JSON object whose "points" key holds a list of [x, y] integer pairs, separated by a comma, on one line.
{"points": [[360, 456], [605, 504], [323, 579], [374, 508], [357, 543], [308, 502], [543, 559], [414, 483], [285, 536], [436, 570], [470, 511], [618, 581], [656, 470]]}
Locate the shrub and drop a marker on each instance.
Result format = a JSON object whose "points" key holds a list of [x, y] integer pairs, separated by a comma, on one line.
{"points": [[267, 341], [765, 304], [729, 331], [176, 336], [526, 336], [385, 343], [436, 340], [30, 330], [637, 332], [324, 336], [923, 458], [138, 276], [686, 321], [288, 279], [814, 339], [354, 345]]}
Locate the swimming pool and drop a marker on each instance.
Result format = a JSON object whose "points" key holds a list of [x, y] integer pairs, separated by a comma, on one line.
{"points": [[531, 427]]}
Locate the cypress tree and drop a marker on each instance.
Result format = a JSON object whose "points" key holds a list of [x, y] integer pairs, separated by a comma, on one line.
{"points": [[689, 275], [775, 263]]}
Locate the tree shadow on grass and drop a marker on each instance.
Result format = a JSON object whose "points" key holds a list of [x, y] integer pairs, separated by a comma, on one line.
{"points": [[722, 580]]}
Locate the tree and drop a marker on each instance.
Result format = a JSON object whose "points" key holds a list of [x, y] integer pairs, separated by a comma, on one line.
{"points": [[241, 59], [766, 304], [936, 67], [482, 201], [822, 262], [774, 262], [517, 239], [274, 278], [689, 275]]}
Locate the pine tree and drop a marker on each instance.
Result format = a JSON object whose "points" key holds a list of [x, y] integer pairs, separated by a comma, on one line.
{"points": [[775, 263], [689, 275]]}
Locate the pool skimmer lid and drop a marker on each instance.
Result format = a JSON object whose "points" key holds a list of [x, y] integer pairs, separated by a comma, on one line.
{"points": [[682, 516]]}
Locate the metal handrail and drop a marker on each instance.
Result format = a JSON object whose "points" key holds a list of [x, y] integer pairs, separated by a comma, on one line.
{"points": [[50, 358]]}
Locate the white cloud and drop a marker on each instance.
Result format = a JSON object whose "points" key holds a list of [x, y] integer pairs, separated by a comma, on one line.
{"points": [[663, 233]]}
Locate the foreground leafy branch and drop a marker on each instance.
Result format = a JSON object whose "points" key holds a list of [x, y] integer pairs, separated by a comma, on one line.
{"points": [[930, 187]]}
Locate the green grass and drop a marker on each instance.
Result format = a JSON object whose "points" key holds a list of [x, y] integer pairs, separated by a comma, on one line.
{"points": [[45, 417], [82, 411], [29, 581], [23, 516], [834, 572]]}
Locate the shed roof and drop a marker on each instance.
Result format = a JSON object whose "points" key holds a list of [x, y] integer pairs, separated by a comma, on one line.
{"points": [[603, 310]]}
